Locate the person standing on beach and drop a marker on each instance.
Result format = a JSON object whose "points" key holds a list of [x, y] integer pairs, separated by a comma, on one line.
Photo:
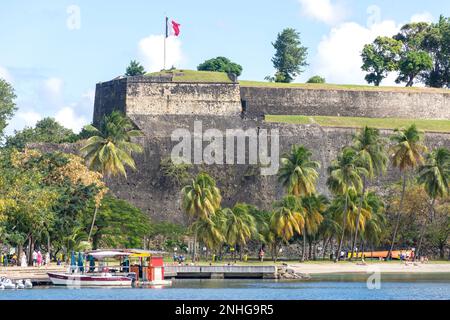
{"points": [[39, 258], [34, 255]]}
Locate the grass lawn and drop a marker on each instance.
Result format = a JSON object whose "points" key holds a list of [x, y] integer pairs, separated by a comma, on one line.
{"points": [[194, 76], [358, 122], [331, 86]]}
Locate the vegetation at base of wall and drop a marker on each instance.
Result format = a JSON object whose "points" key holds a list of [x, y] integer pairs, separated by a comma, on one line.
{"points": [[332, 86], [194, 76], [358, 122]]}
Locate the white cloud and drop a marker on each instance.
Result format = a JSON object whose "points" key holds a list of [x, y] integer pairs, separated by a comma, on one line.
{"points": [[151, 52], [323, 10], [53, 90], [29, 117], [4, 74], [67, 117], [339, 53], [422, 17]]}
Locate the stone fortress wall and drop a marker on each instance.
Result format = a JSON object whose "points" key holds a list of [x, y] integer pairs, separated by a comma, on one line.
{"points": [[158, 107]]}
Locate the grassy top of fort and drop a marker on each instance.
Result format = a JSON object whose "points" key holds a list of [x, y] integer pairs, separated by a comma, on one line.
{"points": [[331, 86], [358, 122], [193, 76]]}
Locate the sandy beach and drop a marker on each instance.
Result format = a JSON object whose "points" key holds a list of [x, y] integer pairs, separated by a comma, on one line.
{"points": [[391, 267]]}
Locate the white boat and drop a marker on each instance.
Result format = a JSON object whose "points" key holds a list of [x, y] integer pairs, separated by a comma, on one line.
{"points": [[90, 280], [7, 283]]}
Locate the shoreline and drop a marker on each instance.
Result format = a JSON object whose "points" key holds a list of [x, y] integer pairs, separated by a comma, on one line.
{"points": [[358, 268]]}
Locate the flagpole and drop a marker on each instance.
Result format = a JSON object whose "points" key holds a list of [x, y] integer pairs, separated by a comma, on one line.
{"points": [[165, 37]]}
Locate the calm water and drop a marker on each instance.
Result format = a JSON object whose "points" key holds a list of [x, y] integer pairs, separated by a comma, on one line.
{"points": [[335, 287]]}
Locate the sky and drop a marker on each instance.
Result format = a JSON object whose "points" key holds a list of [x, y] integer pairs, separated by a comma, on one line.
{"points": [[54, 52]]}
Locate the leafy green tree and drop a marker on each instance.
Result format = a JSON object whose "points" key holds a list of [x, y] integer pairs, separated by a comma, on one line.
{"points": [[345, 175], [119, 225], [380, 58], [134, 69], [290, 55], [316, 79], [412, 64], [7, 104], [298, 173], [220, 64], [406, 155], [46, 130], [373, 157], [437, 43]]}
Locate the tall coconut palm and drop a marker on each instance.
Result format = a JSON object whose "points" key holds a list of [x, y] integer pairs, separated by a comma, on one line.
{"points": [[406, 154], [110, 148], [209, 231], [200, 200], [298, 173], [435, 177], [313, 207], [373, 156], [240, 226], [345, 174], [287, 218]]}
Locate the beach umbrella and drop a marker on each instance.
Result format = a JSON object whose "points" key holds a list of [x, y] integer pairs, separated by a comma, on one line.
{"points": [[80, 262], [72, 259], [91, 263]]}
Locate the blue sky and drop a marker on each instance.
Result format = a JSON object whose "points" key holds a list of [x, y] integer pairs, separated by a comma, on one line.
{"points": [[54, 52]]}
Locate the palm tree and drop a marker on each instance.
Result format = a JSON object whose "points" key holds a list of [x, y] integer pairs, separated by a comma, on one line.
{"points": [[373, 156], [313, 207], [298, 173], [406, 155], [240, 226], [287, 219], [435, 176], [110, 148], [328, 229], [209, 231], [200, 200], [345, 174]]}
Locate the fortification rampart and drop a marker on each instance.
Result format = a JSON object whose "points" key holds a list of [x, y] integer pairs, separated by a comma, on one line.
{"points": [[349, 103], [158, 106]]}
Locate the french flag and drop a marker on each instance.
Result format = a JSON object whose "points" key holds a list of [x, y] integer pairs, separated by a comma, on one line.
{"points": [[175, 28]]}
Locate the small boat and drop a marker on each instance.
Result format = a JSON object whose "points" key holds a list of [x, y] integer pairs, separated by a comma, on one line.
{"points": [[20, 284], [28, 284], [148, 269], [7, 283], [90, 280]]}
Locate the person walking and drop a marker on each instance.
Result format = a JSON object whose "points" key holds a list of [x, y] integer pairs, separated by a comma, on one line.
{"points": [[34, 256], [39, 258], [47, 259], [23, 260]]}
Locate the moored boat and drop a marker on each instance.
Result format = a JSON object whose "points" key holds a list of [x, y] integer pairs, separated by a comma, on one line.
{"points": [[90, 280]]}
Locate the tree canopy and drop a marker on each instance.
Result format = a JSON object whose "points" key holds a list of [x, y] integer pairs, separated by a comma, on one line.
{"points": [[290, 55], [7, 104], [134, 69], [220, 64], [46, 130]]}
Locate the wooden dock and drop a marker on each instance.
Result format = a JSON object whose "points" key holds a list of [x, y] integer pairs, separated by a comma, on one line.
{"points": [[220, 272], [37, 275]]}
